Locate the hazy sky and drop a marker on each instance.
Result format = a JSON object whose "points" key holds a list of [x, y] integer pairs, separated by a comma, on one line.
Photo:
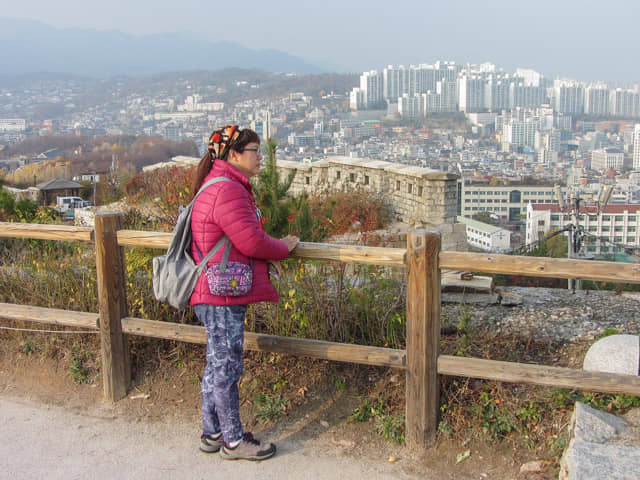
{"points": [[586, 39]]}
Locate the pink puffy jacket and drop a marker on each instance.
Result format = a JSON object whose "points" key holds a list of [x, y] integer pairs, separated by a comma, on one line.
{"points": [[228, 207]]}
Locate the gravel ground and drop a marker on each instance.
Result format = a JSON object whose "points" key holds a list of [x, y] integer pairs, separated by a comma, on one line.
{"points": [[550, 314]]}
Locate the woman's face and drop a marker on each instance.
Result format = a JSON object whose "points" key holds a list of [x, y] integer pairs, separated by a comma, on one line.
{"points": [[248, 162]]}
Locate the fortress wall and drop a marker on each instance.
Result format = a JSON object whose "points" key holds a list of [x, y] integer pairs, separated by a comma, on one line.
{"points": [[417, 196]]}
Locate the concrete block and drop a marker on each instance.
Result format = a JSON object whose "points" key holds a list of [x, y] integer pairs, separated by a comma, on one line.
{"points": [[590, 461], [595, 426], [614, 354]]}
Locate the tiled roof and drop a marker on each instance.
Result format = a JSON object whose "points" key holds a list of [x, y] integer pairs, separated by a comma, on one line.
{"points": [[59, 184]]}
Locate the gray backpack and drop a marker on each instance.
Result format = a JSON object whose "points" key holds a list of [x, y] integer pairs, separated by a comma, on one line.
{"points": [[175, 274]]}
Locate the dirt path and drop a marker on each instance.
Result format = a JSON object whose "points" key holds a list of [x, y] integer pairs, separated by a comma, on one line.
{"points": [[44, 441], [54, 428]]}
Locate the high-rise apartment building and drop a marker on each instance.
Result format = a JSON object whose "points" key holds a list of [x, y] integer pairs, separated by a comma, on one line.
{"points": [[568, 97], [596, 100], [521, 95], [531, 77], [497, 96], [410, 106], [371, 87], [625, 103], [636, 147], [471, 93], [520, 133], [448, 92], [393, 80]]}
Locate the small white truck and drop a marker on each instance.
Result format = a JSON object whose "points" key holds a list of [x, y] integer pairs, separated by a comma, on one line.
{"points": [[68, 203]]}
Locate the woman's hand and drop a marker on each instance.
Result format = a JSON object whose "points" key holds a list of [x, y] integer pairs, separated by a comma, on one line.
{"points": [[292, 241]]}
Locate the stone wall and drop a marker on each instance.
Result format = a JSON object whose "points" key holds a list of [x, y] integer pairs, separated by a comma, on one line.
{"points": [[419, 197]]}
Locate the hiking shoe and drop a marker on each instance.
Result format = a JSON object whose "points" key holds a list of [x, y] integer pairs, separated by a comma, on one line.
{"points": [[248, 449], [208, 444]]}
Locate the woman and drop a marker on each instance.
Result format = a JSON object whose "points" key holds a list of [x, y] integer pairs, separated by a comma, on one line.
{"points": [[228, 208]]}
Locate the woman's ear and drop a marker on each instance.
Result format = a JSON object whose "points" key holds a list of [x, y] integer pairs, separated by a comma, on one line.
{"points": [[232, 155]]}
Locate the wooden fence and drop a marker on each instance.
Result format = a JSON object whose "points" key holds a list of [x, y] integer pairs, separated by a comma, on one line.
{"points": [[421, 360]]}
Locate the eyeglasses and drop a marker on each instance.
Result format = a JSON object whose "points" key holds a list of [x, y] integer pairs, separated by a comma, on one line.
{"points": [[257, 150]]}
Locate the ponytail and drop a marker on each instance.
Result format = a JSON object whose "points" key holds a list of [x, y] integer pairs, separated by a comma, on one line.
{"points": [[201, 172]]}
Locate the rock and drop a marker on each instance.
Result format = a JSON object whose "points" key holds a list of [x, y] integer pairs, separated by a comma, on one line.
{"points": [[461, 283], [509, 299], [595, 426], [532, 467], [471, 298], [589, 461], [614, 354]]}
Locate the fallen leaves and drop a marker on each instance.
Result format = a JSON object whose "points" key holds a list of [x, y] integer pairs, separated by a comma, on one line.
{"points": [[461, 457]]}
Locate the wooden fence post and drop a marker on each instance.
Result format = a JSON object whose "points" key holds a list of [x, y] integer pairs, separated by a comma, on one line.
{"points": [[116, 367], [423, 338]]}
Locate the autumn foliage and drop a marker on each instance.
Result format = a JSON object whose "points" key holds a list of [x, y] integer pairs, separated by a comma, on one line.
{"points": [[168, 188], [81, 155], [343, 212]]}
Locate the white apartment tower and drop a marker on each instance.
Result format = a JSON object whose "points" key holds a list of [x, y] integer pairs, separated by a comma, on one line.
{"points": [[568, 97], [448, 95], [371, 88], [471, 94], [596, 100], [636, 147], [625, 103], [410, 106], [497, 95], [393, 80], [531, 77], [522, 95]]}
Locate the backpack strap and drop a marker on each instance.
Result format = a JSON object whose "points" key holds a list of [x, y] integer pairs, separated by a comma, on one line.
{"points": [[225, 255], [208, 184], [217, 246]]}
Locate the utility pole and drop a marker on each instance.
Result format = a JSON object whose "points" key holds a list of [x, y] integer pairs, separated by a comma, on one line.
{"points": [[575, 232]]}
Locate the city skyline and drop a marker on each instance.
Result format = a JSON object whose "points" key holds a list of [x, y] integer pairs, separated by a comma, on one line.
{"points": [[587, 40]]}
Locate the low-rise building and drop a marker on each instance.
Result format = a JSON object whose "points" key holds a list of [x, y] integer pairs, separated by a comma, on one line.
{"points": [[13, 124], [486, 237], [606, 158], [507, 201], [617, 224]]}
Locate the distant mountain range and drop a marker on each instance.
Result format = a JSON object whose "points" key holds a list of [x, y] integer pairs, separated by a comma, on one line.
{"points": [[30, 47]]}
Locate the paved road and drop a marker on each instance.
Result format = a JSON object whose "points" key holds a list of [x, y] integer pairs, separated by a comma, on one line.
{"points": [[48, 442]]}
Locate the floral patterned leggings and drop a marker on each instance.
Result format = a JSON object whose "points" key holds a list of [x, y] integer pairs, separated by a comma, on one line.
{"points": [[220, 399]]}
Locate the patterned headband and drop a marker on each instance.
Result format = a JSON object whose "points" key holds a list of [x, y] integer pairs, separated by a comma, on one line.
{"points": [[222, 139]]}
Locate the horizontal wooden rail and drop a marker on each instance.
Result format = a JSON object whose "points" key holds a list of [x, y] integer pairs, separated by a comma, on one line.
{"points": [[477, 262], [342, 352], [541, 266], [140, 238], [447, 365], [310, 251], [392, 257], [51, 316], [539, 375], [46, 232]]}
